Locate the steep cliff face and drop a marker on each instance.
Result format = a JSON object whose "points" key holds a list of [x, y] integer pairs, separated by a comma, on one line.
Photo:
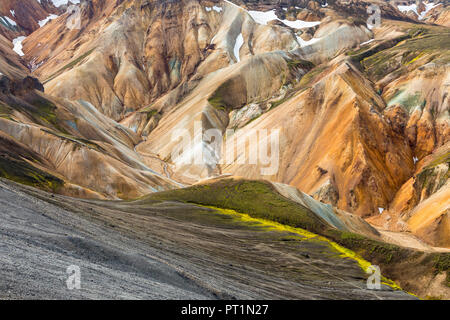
{"points": [[362, 112], [24, 17], [421, 205], [363, 166]]}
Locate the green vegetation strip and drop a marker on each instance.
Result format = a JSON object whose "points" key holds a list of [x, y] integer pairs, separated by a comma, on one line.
{"points": [[270, 225], [255, 198], [69, 65], [259, 200], [24, 173]]}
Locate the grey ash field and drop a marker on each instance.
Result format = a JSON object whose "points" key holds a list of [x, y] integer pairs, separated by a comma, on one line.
{"points": [[166, 250]]}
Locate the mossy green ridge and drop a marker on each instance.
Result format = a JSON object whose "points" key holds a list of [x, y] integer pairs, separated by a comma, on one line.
{"points": [[418, 46], [24, 173], [369, 50], [433, 176], [440, 159], [307, 236], [5, 111], [309, 77], [39, 109], [259, 200], [17, 164]]}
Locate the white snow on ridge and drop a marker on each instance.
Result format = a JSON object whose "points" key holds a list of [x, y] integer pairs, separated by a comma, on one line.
{"points": [[215, 8], [59, 3], [413, 7], [237, 46], [366, 42], [17, 42], [263, 18], [298, 24], [304, 43], [9, 21], [50, 17]]}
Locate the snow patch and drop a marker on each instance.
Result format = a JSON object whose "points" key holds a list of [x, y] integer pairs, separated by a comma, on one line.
{"points": [[237, 47], [9, 21], [413, 7], [263, 18], [59, 3], [44, 22], [17, 42], [304, 43], [366, 42], [215, 8]]}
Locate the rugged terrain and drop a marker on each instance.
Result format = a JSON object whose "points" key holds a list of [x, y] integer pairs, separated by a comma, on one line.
{"points": [[362, 111], [165, 250]]}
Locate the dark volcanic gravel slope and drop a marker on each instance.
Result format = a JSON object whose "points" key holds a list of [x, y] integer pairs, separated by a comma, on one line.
{"points": [[163, 251], [39, 241]]}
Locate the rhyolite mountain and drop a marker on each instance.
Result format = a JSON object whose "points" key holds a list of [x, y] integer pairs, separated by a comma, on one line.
{"points": [[363, 111], [23, 17]]}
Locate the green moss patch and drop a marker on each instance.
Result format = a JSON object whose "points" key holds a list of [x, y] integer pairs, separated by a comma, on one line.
{"points": [[300, 64], [258, 199], [401, 55], [24, 173], [39, 109], [220, 99], [5, 111], [309, 77]]}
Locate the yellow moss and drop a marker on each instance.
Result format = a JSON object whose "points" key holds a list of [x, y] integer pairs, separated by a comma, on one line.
{"points": [[416, 58], [275, 226]]}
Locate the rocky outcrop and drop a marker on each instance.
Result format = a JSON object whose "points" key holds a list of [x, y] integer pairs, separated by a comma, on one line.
{"points": [[421, 205], [343, 107]]}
